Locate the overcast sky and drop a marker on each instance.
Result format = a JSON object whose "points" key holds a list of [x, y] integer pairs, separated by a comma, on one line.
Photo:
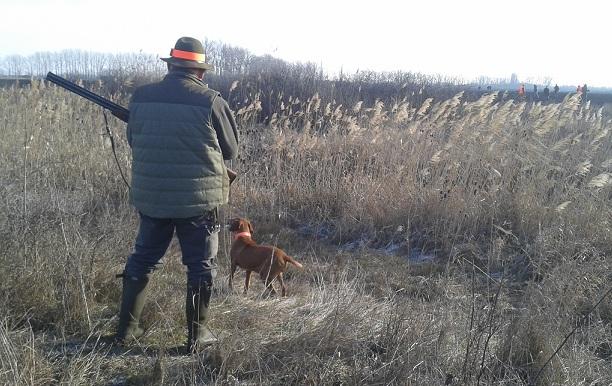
{"points": [[570, 43]]}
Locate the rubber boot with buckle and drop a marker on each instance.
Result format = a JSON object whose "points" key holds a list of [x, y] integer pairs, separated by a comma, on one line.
{"points": [[196, 311], [132, 304]]}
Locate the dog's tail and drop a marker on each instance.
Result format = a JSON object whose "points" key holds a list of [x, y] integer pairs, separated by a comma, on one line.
{"points": [[291, 260]]}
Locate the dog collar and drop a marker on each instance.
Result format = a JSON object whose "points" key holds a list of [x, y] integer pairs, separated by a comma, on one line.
{"points": [[241, 234]]}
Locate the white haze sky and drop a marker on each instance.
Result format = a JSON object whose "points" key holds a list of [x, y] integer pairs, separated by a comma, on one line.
{"points": [[568, 42]]}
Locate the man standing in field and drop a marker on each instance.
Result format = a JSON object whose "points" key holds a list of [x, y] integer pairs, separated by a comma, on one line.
{"points": [[180, 131], [521, 91]]}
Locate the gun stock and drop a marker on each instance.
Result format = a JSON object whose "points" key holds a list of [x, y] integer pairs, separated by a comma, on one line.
{"points": [[117, 110], [232, 175]]}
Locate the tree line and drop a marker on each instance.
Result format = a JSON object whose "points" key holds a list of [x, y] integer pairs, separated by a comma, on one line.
{"points": [[240, 76]]}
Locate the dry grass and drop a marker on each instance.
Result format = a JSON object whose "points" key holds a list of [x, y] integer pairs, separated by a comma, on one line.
{"points": [[512, 199]]}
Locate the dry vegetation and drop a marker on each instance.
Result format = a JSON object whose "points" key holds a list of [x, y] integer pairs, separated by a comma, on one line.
{"points": [[511, 199]]}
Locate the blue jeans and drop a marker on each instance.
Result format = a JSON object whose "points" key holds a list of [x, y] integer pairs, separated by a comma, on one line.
{"points": [[198, 238]]}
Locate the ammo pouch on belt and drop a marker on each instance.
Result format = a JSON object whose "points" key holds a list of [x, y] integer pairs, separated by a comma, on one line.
{"points": [[211, 218]]}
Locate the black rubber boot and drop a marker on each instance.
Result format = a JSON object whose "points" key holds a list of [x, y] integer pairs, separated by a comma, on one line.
{"points": [[196, 311], [132, 303]]}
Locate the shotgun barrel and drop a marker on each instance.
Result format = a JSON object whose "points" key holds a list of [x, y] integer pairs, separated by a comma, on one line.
{"points": [[117, 110]]}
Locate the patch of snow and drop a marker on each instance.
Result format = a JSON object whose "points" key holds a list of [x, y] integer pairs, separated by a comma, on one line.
{"points": [[418, 256]]}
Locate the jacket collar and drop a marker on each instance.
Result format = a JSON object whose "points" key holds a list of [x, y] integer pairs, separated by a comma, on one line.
{"points": [[184, 75]]}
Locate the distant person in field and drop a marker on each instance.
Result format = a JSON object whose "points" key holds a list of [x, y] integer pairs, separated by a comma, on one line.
{"points": [[521, 91], [535, 92], [180, 131], [556, 90], [546, 93], [579, 89]]}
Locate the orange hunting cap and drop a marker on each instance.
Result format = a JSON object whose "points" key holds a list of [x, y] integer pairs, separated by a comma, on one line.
{"points": [[188, 53]]}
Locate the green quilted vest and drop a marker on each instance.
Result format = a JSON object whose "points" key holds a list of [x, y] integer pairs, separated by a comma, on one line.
{"points": [[177, 164]]}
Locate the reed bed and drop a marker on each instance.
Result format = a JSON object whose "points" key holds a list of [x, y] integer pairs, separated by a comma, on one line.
{"points": [[508, 201]]}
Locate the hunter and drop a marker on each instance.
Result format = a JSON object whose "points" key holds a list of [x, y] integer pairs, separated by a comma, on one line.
{"points": [[180, 132]]}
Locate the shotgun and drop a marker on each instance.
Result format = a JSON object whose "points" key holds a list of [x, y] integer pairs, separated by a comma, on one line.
{"points": [[115, 109]]}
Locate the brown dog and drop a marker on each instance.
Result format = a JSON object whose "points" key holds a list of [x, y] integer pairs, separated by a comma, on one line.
{"points": [[269, 261]]}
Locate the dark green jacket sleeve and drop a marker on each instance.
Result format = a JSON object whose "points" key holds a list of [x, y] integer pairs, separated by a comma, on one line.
{"points": [[225, 126]]}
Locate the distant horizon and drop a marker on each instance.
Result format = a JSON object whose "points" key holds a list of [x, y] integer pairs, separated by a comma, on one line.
{"points": [[478, 81]]}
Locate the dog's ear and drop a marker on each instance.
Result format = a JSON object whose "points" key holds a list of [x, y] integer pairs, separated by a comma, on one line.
{"points": [[250, 227]]}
